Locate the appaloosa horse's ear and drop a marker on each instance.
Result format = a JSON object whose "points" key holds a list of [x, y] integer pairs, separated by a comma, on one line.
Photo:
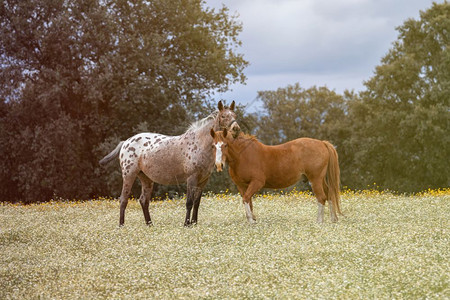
{"points": [[225, 132], [220, 106], [213, 134], [232, 105]]}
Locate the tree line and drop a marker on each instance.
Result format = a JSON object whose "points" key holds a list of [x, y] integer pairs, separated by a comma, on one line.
{"points": [[79, 76]]}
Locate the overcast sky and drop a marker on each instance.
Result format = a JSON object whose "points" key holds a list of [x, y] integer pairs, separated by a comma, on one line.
{"points": [[333, 43]]}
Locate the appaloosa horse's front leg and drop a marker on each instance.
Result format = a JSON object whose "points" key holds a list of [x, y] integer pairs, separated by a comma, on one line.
{"points": [[189, 204], [193, 196], [197, 198]]}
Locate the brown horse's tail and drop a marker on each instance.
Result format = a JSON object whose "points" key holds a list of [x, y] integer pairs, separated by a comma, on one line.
{"points": [[332, 180]]}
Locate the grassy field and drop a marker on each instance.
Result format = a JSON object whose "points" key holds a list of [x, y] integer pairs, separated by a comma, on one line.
{"points": [[387, 246]]}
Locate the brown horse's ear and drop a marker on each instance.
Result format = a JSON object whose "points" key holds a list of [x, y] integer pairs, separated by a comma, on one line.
{"points": [[225, 131], [220, 106], [232, 105], [213, 134]]}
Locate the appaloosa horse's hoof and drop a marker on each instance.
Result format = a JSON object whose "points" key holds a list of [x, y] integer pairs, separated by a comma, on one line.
{"points": [[190, 224]]}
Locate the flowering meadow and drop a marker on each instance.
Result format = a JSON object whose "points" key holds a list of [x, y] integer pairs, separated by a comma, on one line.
{"points": [[386, 247]]}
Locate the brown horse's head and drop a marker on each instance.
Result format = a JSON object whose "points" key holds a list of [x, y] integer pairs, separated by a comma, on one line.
{"points": [[227, 119], [220, 145]]}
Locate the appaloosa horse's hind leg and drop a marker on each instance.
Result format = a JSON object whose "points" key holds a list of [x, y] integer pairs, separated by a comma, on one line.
{"points": [[128, 181], [146, 195]]}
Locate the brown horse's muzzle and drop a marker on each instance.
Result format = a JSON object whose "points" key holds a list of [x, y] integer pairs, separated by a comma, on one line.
{"points": [[219, 167]]}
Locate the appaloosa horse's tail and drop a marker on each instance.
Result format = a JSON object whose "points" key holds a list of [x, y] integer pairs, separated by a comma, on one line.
{"points": [[111, 155], [332, 179]]}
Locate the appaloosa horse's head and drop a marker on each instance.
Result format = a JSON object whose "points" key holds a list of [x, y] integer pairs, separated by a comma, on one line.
{"points": [[227, 119]]}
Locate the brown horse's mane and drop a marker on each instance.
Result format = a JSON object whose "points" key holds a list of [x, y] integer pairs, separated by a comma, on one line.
{"points": [[247, 136]]}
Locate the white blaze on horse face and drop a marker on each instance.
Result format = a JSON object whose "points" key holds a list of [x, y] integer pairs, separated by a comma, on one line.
{"points": [[219, 156]]}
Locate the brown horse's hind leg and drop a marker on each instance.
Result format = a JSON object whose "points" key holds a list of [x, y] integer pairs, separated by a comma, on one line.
{"points": [[317, 188], [333, 214], [126, 192], [146, 194]]}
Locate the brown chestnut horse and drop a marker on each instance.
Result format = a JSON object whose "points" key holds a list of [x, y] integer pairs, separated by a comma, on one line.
{"points": [[253, 165]]}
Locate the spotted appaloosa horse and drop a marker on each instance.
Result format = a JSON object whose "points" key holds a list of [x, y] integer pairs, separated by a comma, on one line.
{"points": [[253, 165], [154, 157]]}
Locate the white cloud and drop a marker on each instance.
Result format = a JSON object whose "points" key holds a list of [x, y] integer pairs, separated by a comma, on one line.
{"points": [[315, 42]]}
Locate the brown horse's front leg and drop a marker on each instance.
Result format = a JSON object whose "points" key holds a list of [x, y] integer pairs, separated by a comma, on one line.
{"points": [[252, 188]]}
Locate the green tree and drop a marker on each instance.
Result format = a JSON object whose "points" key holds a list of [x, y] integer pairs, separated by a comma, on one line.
{"points": [[294, 112], [79, 75], [400, 123]]}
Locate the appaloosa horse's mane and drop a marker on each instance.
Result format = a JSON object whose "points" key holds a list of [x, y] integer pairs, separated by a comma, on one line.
{"points": [[200, 123]]}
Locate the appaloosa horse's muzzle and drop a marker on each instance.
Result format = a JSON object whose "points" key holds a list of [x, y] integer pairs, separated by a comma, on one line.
{"points": [[234, 128]]}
